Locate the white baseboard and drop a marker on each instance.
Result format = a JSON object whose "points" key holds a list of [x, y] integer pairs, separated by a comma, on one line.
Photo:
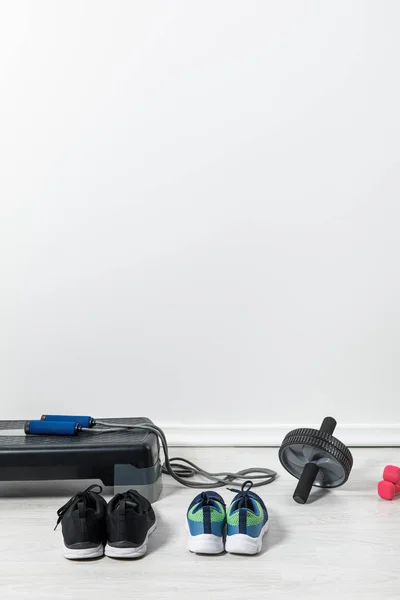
{"points": [[272, 435]]}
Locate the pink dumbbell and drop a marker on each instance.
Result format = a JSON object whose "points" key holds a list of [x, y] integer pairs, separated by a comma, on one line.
{"points": [[391, 473], [387, 490]]}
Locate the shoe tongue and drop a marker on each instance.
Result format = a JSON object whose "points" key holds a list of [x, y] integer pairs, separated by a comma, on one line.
{"points": [[209, 498], [81, 508], [131, 504], [85, 501], [213, 496], [245, 502]]}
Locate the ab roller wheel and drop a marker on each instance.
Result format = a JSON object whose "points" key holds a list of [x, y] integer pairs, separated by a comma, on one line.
{"points": [[315, 457]]}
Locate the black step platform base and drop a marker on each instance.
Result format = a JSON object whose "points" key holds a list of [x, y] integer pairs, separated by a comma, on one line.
{"points": [[123, 459]]}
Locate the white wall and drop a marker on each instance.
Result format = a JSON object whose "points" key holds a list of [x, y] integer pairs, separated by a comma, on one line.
{"points": [[200, 210]]}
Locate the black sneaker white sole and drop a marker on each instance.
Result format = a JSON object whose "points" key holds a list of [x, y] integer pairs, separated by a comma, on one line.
{"points": [[83, 553], [129, 551]]}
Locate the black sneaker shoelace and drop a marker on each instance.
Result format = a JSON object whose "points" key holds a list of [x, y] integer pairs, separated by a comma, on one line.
{"points": [[136, 498], [79, 496]]}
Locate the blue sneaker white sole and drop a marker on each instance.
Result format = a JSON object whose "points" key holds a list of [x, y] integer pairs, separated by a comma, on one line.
{"points": [[205, 543], [240, 543]]}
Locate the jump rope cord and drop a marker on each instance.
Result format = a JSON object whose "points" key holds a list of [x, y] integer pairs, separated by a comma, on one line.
{"points": [[182, 469]]}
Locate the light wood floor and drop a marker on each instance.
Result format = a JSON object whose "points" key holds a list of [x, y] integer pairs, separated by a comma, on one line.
{"points": [[344, 544]]}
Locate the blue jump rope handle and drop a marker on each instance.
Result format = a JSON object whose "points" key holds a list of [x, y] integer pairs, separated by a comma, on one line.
{"points": [[83, 421], [52, 427]]}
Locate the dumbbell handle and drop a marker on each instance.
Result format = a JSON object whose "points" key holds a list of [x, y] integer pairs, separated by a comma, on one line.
{"points": [[310, 471]]}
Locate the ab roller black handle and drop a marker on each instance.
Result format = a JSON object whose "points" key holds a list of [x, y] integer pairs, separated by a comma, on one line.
{"points": [[310, 471], [315, 457]]}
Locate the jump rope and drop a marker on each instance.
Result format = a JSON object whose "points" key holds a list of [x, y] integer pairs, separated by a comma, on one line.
{"points": [[178, 468]]}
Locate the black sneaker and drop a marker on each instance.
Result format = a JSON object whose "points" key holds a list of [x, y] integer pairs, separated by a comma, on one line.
{"points": [[130, 521], [83, 522]]}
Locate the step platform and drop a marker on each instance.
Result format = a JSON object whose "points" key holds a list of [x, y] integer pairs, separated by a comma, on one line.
{"points": [[123, 459]]}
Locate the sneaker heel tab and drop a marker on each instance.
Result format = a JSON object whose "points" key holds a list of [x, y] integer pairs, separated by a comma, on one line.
{"points": [[243, 520]]}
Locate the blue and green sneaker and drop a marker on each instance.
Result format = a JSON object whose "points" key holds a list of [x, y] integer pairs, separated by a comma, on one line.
{"points": [[247, 522], [206, 521]]}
